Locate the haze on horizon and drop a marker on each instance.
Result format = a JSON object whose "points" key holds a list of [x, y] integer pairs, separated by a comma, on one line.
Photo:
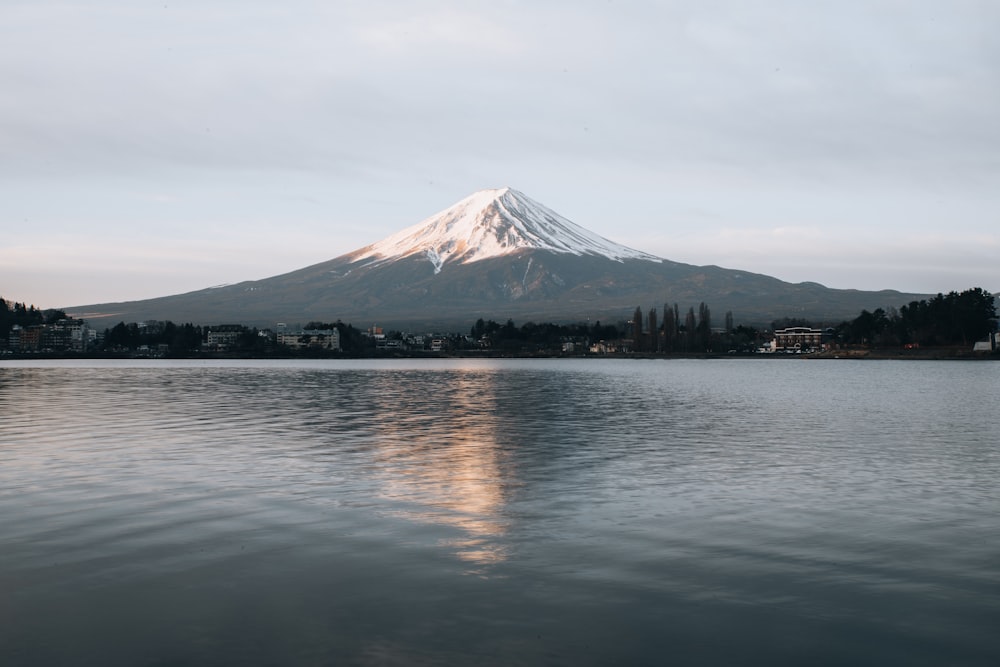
{"points": [[154, 148]]}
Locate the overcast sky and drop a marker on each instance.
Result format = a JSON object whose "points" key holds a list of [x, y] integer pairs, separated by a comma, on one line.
{"points": [[152, 148]]}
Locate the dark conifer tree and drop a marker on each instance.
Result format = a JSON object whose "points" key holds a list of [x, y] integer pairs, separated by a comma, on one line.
{"points": [[637, 329], [654, 332], [669, 330], [690, 330], [704, 327]]}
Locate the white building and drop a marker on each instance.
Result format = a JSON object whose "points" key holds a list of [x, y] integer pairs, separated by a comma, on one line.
{"points": [[223, 336], [991, 344], [323, 339], [798, 339]]}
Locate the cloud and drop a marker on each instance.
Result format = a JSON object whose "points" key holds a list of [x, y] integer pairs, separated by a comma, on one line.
{"points": [[351, 120], [441, 31], [926, 262]]}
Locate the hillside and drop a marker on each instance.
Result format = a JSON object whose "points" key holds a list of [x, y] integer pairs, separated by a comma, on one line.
{"points": [[502, 255]]}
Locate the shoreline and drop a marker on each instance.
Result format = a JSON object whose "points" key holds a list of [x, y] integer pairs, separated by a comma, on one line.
{"points": [[926, 354]]}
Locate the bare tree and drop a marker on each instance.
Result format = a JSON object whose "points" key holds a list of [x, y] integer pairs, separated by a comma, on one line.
{"points": [[669, 329], [690, 330], [654, 332], [637, 328], [704, 327]]}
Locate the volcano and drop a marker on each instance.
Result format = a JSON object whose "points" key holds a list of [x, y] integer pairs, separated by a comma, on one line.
{"points": [[490, 224], [500, 255]]}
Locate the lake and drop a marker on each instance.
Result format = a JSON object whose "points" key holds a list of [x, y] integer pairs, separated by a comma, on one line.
{"points": [[499, 512]]}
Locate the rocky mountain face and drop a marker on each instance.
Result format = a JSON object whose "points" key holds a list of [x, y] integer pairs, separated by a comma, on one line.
{"points": [[496, 254]]}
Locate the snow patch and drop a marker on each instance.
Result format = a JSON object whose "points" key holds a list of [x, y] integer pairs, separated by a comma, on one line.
{"points": [[435, 258], [494, 223]]}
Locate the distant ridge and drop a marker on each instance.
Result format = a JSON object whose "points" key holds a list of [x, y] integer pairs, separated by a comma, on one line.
{"points": [[496, 254]]}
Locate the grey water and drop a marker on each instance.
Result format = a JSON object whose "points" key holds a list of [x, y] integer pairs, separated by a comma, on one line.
{"points": [[557, 512]]}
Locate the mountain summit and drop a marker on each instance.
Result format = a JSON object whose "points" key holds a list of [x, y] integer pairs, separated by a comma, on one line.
{"points": [[490, 224], [495, 254]]}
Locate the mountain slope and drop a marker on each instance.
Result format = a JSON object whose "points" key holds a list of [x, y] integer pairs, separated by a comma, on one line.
{"points": [[490, 224], [495, 254]]}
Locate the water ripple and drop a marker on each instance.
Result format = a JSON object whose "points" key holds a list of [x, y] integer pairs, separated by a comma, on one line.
{"points": [[399, 500]]}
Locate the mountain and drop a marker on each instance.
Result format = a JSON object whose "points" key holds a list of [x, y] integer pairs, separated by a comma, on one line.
{"points": [[490, 224], [496, 254]]}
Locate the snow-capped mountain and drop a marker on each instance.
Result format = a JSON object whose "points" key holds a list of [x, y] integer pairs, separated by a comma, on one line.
{"points": [[496, 254], [490, 224]]}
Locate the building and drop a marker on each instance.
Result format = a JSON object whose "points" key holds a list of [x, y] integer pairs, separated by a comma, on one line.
{"points": [[991, 344], [26, 339], [799, 339], [62, 336], [224, 336], [320, 339], [81, 336], [389, 344]]}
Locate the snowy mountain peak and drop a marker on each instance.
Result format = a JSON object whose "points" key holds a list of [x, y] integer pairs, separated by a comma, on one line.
{"points": [[493, 223]]}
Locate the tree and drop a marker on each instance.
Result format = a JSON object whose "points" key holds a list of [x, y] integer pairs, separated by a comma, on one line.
{"points": [[946, 319], [13, 313], [654, 335], [745, 339], [669, 329], [690, 330], [52, 316], [603, 332], [478, 329], [973, 315], [182, 339], [704, 336], [637, 328]]}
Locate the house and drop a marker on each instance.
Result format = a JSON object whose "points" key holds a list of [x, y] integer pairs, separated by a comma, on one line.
{"points": [[799, 339], [323, 339], [991, 344], [224, 336], [27, 338]]}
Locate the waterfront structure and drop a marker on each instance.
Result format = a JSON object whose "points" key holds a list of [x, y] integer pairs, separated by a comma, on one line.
{"points": [[991, 344], [324, 339], [794, 339], [223, 336], [62, 336]]}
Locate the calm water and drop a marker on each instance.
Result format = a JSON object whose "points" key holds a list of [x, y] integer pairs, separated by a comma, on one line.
{"points": [[500, 512]]}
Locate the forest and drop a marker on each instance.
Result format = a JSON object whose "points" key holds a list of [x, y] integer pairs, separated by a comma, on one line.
{"points": [[956, 319], [19, 314]]}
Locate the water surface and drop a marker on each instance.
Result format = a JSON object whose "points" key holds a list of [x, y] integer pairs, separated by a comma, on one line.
{"points": [[500, 512]]}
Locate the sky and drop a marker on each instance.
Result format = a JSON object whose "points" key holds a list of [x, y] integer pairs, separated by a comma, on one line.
{"points": [[154, 148]]}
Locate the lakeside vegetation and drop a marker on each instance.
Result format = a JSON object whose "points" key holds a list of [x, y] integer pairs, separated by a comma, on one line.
{"points": [[947, 321]]}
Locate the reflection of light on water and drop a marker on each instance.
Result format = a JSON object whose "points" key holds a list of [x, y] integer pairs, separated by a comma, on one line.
{"points": [[447, 468]]}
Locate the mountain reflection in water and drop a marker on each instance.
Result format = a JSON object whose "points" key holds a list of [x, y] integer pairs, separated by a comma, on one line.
{"points": [[446, 467]]}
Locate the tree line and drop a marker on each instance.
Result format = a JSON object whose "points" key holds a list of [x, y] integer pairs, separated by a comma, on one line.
{"points": [[693, 333], [956, 318], [187, 339], [20, 314], [953, 319], [537, 337]]}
